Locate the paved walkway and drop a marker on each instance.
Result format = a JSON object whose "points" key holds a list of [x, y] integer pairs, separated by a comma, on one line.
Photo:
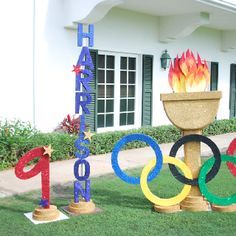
{"points": [[62, 171]]}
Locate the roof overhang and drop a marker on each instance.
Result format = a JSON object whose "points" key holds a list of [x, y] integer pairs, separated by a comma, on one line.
{"points": [[175, 20]]}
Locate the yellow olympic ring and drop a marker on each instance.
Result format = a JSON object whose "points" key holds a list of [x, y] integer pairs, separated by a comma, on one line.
{"points": [[165, 201]]}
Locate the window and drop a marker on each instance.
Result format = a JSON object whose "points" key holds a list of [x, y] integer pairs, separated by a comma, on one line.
{"points": [[117, 88], [127, 90], [106, 95]]}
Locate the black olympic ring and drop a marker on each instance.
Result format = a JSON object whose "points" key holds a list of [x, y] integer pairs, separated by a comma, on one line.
{"points": [[198, 138]]}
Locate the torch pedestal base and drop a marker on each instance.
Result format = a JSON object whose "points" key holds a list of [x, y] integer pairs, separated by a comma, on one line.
{"points": [[166, 209], [46, 214], [191, 112], [194, 203], [231, 208], [81, 207]]}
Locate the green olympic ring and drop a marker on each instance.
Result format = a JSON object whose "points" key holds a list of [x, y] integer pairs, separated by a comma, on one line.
{"points": [[222, 201]]}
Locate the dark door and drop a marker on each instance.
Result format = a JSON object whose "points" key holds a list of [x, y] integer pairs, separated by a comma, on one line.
{"points": [[232, 91], [214, 76]]}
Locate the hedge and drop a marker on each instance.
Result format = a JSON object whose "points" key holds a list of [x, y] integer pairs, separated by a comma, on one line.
{"points": [[104, 143], [16, 138]]}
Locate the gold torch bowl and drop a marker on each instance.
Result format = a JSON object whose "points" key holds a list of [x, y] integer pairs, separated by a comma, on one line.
{"points": [[191, 111]]}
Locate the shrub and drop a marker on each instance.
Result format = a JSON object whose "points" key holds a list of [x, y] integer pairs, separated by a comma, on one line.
{"points": [[69, 125], [16, 138], [104, 143], [221, 127], [62, 144]]}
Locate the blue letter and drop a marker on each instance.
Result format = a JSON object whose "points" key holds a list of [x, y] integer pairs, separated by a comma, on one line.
{"points": [[82, 102], [85, 59], [78, 189], [82, 35], [83, 151], [83, 80], [76, 170]]}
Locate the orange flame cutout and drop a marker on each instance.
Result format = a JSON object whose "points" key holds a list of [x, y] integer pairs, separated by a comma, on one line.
{"points": [[188, 74]]}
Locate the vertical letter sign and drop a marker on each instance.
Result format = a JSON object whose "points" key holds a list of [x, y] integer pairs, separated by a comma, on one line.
{"points": [[83, 74]]}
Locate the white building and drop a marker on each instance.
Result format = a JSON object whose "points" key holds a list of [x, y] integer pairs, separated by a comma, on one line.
{"points": [[39, 48]]}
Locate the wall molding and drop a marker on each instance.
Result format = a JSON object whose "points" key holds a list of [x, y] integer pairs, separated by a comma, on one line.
{"points": [[179, 26], [91, 11], [228, 40]]}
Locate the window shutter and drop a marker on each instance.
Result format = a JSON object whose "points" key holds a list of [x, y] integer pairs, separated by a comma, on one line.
{"points": [[147, 90], [214, 76], [91, 119], [232, 98]]}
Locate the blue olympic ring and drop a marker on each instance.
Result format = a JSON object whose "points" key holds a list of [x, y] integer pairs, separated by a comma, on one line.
{"points": [[136, 137]]}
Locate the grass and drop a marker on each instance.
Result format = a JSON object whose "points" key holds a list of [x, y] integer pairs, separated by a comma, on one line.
{"points": [[125, 210]]}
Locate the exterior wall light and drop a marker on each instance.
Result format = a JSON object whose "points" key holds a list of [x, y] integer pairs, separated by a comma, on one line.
{"points": [[165, 60]]}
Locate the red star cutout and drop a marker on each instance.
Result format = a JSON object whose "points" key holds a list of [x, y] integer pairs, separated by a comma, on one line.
{"points": [[77, 69]]}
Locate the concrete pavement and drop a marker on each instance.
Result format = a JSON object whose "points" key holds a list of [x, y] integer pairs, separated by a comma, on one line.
{"points": [[62, 171]]}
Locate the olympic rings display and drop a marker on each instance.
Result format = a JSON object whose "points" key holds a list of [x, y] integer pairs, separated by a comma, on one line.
{"points": [[222, 201], [136, 137], [199, 138], [207, 172], [164, 201], [231, 151]]}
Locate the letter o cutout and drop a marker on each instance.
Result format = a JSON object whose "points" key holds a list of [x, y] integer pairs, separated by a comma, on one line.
{"points": [[195, 138], [165, 201], [222, 201], [136, 137]]}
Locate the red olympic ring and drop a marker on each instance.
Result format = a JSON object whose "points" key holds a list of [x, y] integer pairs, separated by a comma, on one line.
{"points": [[231, 151]]}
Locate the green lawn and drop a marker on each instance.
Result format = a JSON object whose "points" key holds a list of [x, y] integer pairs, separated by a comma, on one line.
{"points": [[125, 210]]}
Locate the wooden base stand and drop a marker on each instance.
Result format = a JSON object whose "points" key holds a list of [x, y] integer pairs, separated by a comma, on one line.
{"points": [[167, 209], [194, 203], [231, 208], [82, 207], [46, 214]]}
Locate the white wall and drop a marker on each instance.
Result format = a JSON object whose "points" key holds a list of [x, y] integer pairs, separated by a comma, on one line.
{"points": [[16, 57], [55, 54], [56, 51], [127, 31]]}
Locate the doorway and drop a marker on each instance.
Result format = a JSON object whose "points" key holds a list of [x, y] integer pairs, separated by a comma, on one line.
{"points": [[232, 92]]}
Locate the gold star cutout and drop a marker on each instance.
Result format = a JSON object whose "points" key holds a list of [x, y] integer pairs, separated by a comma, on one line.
{"points": [[88, 135], [48, 150]]}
